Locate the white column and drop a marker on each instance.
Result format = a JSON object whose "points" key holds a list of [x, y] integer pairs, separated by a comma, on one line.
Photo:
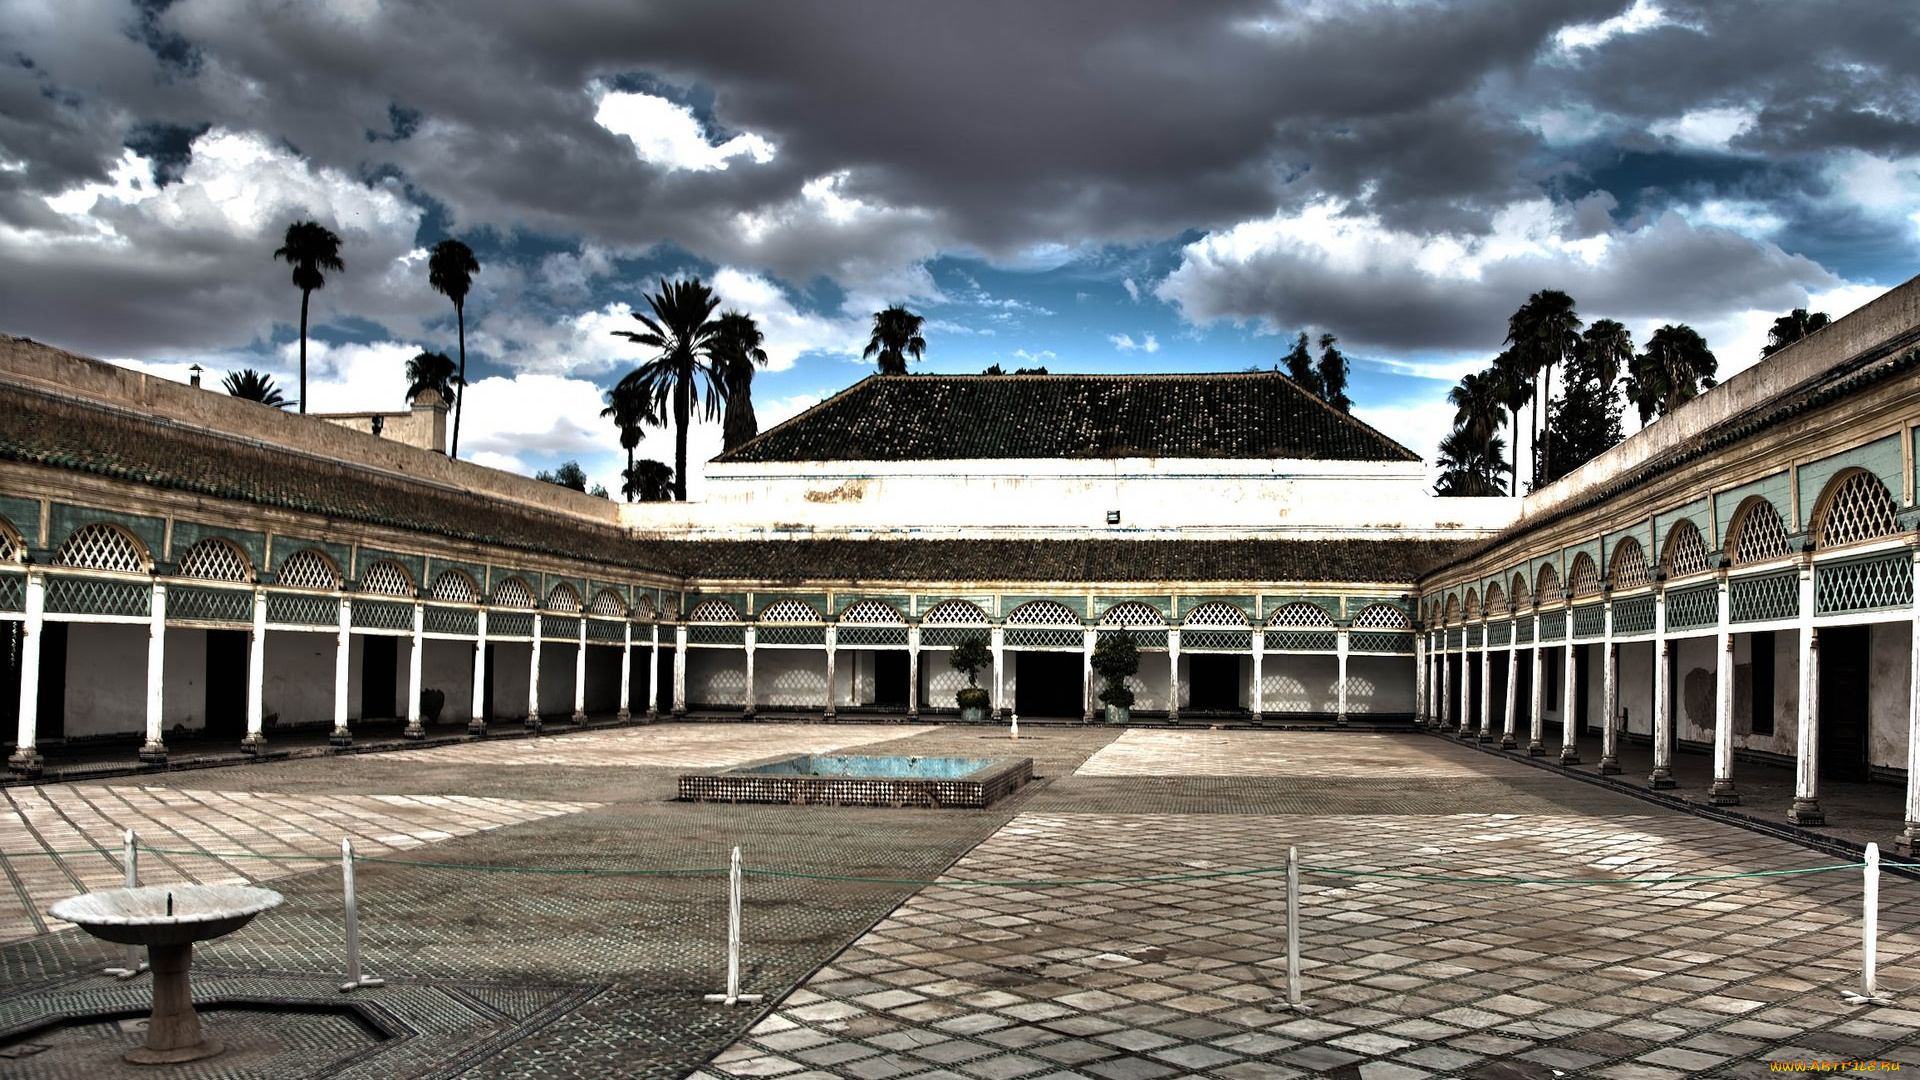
{"points": [[25, 759], [1662, 775], [1257, 693], [415, 729], [1089, 638], [1609, 697], [1905, 843], [1486, 683], [477, 725], [342, 652], [154, 750], [256, 739], [1722, 792], [1570, 699], [1466, 686], [1173, 673], [626, 670], [1806, 788], [580, 674], [1507, 741], [1440, 678], [997, 641], [913, 673], [751, 641], [833, 650], [1340, 673], [680, 669], [533, 677], [1537, 721], [1419, 675], [653, 672]]}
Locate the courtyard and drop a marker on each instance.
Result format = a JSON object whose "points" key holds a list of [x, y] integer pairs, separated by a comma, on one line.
{"points": [[541, 907]]}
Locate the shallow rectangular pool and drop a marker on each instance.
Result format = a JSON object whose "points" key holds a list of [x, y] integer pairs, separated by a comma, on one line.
{"points": [[843, 780]]}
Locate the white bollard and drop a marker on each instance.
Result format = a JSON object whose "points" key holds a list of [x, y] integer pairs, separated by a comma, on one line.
{"points": [[733, 996], [1016, 725], [355, 980], [1869, 933], [130, 858], [1293, 1002]]}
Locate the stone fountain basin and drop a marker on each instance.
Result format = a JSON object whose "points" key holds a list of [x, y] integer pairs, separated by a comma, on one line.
{"points": [[139, 916]]}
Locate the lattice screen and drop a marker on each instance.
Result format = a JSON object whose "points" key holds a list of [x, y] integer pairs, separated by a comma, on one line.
{"points": [[1043, 613], [1629, 565], [386, 578], [10, 548], [714, 611], [1217, 613], [454, 587], [644, 610], [1386, 617], [954, 613], [1471, 609], [309, 569], [563, 598], [1686, 551], [1547, 586], [213, 559], [1294, 615], [1757, 535], [1452, 612], [788, 611], [1584, 578], [1522, 596], [1860, 508], [607, 602], [513, 593], [102, 547], [1496, 599], [871, 613], [1132, 613]]}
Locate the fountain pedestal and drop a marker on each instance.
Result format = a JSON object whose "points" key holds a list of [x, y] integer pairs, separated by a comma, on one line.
{"points": [[168, 919]]}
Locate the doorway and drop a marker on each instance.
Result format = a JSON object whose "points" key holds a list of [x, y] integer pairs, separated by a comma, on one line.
{"points": [[1580, 686], [12, 638], [52, 699], [1844, 656], [890, 679], [226, 683], [379, 677], [1213, 683], [1049, 684]]}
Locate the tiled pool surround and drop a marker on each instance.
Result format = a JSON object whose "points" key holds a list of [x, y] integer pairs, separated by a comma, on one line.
{"points": [[863, 781]]}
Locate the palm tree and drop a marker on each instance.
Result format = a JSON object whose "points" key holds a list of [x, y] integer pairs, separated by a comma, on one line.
{"points": [[1607, 348], [629, 408], [648, 481], [1544, 332], [684, 331], [253, 386], [1333, 374], [738, 350], [1675, 366], [431, 371], [1513, 388], [450, 271], [1469, 467], [896, 333], [1477, 409], [310, 248], [1790, 328]]}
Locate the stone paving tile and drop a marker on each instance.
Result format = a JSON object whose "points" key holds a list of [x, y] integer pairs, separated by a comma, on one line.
{"points": [[1154, 752], [676, 746]]}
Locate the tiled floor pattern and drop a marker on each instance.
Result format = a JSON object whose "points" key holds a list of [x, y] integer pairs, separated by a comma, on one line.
{"points": [[258, 831], [1160, 752], [1407, 979], [679, 746]]}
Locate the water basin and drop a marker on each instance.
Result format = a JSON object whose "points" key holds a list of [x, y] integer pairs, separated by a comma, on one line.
{"points": [[847, 780]]}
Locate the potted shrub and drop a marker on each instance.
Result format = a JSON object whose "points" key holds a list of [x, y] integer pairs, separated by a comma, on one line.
{"points": [[970, 655], [1114, 658], [432, 702]]}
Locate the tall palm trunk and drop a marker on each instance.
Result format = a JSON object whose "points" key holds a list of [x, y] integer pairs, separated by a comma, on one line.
{"points": [[682, 412], [1513, 471], [305, 295], [459, 392]]}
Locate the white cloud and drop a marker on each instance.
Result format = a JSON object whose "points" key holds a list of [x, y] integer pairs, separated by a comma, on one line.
{"points": [[667, 134], [1417, 424], [1125, 343], [1040, 357], [1642, 16], [1132, 287], [1706, 129], [790, 332]]}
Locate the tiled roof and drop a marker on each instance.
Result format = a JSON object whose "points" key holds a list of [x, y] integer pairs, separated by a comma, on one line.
{"points": [[948, 417], [797, 561]]}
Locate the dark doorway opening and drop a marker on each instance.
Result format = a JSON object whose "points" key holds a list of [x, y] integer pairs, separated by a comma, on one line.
{"points": [[12, 638], [1523, 691], [890, 679], [1475, 691], [1213, 683], [486, 684], [1580, 686], [663, 663], [1049, 684], [379, 677], [226, 683], [51, 721], [1844, 657]]}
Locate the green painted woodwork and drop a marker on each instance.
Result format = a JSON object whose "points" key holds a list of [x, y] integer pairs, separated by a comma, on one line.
{"points": [[1776, 489], [548, 582], [1274, 602], [873, 637], [195, 603], [1590, 621], [1213, 640], [559, 628], [1693, 607], [1041, 637], [416, 565], [382, 615], [1764, 598], [24, 516], [604, 631], [1104, 602], [63, 520], [764, 600], [13, 591], [1498, 633], [722, 635], [510, 624], [781, 634], [302, 609], [900, 602], [1380, 641], [1246, 604], [1633, 616], [738, 600], [98, 596], [1012, 602], [450, 620], [1869, 584], [1697, 511], [1145, 640], [285, 546], [1881, 457], [186, 534]]}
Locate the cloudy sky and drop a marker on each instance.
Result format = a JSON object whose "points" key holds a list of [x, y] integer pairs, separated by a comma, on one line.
{"points": [[1092, 185]]}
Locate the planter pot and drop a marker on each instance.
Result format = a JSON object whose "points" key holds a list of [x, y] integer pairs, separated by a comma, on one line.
{"points": [[1118, 714], [973, 714]]}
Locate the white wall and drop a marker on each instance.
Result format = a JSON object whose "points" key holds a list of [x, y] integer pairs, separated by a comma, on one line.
{"points": [[1384, 684], [784, 678], [1300, 684], [1887, 694], [299, 677], [447, 666], [556, 679], [183, 699], [106, 679], [511, 660], [939, 682], [719, 677]]}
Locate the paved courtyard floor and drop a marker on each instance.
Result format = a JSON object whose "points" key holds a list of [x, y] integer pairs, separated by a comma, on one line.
{"points": [[1453, 961]]}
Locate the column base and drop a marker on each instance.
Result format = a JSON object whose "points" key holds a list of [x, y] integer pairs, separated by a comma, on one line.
{"points": [[1722, 793], [1609, 766], [415, 730], [1483, 737], [1536, 749], [1661, 779], [578, 717], [533, 724], [1903, 845], [1508, 742], [1256, 718], [153, 753], [340, 739], [255, 743], [747, 713], [624, 716], [476, 727], [1806, 812], [653, 716], [913, 714], [1569, 756], [678, 711], [828, 713], [1340, 720], [25, 763]]}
